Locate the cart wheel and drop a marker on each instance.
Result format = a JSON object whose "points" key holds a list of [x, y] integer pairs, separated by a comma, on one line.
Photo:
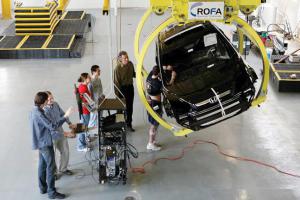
{"points": [[124, 180], [102, 174]]}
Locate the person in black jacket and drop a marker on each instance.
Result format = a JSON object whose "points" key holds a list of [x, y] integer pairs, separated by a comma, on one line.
{"points": [[154, 90]]}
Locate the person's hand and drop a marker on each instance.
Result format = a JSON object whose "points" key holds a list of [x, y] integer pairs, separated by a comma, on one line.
{"points": [[102, 96], [72, 126], [69, 112], [69, 134], [148, 99]]}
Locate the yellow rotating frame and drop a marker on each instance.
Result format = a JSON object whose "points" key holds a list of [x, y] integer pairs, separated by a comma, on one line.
{"points": [[180, 14]]}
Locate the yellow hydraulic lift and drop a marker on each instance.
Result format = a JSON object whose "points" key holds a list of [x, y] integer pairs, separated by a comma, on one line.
{"points": [[6, 9], [181, 12]]}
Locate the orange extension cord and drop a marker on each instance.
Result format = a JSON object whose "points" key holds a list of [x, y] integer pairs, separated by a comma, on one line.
{"points": [[196, 142]]}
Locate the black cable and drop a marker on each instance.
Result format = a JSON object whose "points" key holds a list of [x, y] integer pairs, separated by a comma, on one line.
{"points": [[132, 150]]}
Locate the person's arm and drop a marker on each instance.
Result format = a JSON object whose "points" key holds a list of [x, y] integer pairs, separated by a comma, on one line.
{"points": [[134, 74], [91, 89], [100, 87], [62, 114], [52, 127], [117, 81], [61, 120], [172, 78]]}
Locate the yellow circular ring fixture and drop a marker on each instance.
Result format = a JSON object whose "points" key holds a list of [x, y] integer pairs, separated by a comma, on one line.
{"points": [[140, 56]]}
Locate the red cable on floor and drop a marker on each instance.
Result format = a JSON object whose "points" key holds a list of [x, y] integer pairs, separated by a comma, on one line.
{"points": [[196, 142]]}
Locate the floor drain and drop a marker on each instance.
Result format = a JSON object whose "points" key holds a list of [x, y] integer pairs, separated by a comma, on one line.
{"points": [[129, 198]]}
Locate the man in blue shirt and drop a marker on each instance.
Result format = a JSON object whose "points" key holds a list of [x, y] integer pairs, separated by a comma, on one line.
{"points": [[54, 112], [43, 131]]}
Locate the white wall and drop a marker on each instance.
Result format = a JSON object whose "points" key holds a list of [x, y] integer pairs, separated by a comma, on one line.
{"points": [[289, 9], [88, 4]]}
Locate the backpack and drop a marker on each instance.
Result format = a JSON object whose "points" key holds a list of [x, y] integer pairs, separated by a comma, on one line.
{"points": [[78, 100]]}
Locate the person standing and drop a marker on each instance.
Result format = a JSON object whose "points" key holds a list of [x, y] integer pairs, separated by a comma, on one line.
{"points": [[84, 80], [96, 90], [154, 90], [123, 80], [43, 132], [54, 112]]}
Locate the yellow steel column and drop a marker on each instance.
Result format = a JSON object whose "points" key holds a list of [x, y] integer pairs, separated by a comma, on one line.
{"points": [[105, 7], [6, 9]]}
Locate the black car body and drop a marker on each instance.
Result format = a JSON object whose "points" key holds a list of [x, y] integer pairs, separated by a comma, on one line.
{"points": [[213, 83]]}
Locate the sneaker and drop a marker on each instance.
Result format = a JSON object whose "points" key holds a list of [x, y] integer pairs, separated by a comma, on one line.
{"points": [[82, 149], [57, 176], [43, 191], [153, 147], [157, 144], [129, 128], [68, 172], [57, 195]]}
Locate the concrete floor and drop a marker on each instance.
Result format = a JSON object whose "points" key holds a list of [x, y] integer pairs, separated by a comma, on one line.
{"points": [[269, 134]]}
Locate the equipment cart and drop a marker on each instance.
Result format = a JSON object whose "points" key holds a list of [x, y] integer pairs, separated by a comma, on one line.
{"points": [[112, 141]]}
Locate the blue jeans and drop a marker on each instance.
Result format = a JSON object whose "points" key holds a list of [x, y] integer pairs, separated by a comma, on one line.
{"points": [[46, 170], [94, 119], [81, 137]]}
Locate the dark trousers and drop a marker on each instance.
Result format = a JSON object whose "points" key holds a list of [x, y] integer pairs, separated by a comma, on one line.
{"points": [[128, 92], [47, 170]]}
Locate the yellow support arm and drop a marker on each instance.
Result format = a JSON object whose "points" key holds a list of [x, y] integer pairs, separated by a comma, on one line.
{"points": [[241, 41], [6, 9], [254, 37], [62, 4]]}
